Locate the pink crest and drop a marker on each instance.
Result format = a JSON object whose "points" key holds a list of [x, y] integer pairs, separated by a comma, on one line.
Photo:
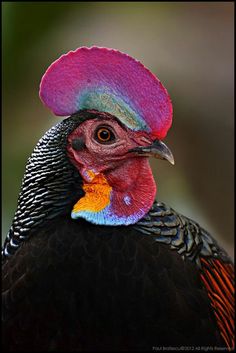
{"points": [[110, 81]]}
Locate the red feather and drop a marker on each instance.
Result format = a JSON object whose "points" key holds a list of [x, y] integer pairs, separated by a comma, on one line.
{"points": [[218, 278]]}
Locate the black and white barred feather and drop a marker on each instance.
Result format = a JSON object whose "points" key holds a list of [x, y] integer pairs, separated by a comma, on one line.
{"points": [[48, 186], [181, 233]]}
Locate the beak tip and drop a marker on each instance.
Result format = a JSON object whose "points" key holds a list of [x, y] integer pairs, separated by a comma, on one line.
{"points": [[171, 160]]}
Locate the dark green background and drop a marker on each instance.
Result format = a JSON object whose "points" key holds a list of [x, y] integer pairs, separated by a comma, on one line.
{"points": [[188, 45]]}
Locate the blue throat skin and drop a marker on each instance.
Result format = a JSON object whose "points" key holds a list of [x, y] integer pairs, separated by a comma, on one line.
{"points": [[103, 205]]}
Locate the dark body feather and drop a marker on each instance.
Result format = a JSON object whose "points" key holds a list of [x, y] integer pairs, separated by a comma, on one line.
{"points": [[77, 286]]}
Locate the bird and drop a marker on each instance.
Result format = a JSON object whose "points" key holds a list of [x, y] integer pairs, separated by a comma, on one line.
{"points": [[93, 261]]}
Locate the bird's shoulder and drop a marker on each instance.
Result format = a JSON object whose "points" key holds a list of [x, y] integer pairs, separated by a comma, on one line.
{"points": [[194, 244], [182, 234]]}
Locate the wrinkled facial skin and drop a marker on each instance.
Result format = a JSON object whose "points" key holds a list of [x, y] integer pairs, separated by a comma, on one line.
{"points": [[103, 156], [117, 181]]}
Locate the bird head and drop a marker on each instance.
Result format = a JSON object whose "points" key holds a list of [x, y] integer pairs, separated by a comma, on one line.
{"points": [[103, 144], [124, 113]]}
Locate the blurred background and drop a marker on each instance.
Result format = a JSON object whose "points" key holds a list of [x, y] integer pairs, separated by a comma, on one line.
{"points": [[188, 45]]}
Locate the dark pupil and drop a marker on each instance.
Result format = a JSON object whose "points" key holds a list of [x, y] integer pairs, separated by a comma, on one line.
{"points": [[104, 135]]}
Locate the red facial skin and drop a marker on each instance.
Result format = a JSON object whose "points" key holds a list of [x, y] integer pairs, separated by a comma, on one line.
{"points": [[125, 172]]}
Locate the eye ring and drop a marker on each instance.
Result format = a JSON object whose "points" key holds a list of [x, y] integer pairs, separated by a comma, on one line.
{"points": [[104, 135]]}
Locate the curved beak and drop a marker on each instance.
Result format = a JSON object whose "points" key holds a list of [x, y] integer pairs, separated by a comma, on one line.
{"points": [[157, 149]]}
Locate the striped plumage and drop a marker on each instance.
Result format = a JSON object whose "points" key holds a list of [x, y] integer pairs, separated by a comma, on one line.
{"points": [[48, 186]]}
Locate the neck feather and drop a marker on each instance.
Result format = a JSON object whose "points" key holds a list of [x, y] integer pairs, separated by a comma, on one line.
{"points": [[50, 184]]}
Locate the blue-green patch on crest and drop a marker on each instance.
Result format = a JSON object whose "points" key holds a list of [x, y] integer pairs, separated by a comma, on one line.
{"points": [[104, 100]]}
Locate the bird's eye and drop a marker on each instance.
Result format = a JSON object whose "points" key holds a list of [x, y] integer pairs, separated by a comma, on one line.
{"points": [[104, 135]]}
